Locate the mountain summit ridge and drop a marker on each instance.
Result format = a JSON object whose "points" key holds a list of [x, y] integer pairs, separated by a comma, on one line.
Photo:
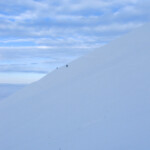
{"points": [[100, 101]]}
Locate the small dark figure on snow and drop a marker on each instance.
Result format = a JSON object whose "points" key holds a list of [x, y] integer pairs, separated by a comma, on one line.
{"points": [[66, 65]]}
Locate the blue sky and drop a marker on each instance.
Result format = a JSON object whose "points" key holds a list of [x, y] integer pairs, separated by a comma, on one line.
{"points": [[36, 36]]}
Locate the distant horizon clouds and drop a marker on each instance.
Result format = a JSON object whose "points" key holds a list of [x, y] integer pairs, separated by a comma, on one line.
{"points": [[36, 36]]}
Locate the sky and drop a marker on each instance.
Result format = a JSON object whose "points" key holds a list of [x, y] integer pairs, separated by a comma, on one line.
{"points": [[36, 36]]}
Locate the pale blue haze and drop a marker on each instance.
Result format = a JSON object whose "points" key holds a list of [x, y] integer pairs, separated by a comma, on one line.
{"points": [[36, 36]]}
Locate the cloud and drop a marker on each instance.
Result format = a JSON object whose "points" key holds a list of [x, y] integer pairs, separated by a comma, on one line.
{"points": [[40, 60], [63, 27]]}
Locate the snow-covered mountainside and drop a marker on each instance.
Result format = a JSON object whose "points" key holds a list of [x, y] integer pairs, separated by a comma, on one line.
{"points": [[99, 102], [8, 89]]}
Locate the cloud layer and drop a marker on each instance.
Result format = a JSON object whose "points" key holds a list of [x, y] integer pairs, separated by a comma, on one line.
{"points": [[38, 35], [57, 23]]}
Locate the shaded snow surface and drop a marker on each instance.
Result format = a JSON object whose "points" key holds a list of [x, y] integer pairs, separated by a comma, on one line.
{"points": [[99, 102], [8, 89]]}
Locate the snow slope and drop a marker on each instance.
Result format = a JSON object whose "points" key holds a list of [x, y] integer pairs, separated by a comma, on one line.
{"points": [[8, 89], [99, 102]]}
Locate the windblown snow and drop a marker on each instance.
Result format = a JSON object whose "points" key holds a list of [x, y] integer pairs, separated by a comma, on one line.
{"points": [[99, 102]]}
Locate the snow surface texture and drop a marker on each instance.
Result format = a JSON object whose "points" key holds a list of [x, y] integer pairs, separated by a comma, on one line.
{"points": [[99, 102], [8, 89]]}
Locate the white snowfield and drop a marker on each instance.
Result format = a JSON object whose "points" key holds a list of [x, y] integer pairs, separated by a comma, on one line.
{"points": [[99, 102]]}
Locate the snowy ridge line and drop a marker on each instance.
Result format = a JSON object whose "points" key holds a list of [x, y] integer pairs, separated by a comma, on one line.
{"points": [[99, 101]]}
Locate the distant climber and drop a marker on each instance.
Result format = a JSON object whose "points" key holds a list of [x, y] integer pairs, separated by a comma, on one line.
{"points": [[66, 65]]}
